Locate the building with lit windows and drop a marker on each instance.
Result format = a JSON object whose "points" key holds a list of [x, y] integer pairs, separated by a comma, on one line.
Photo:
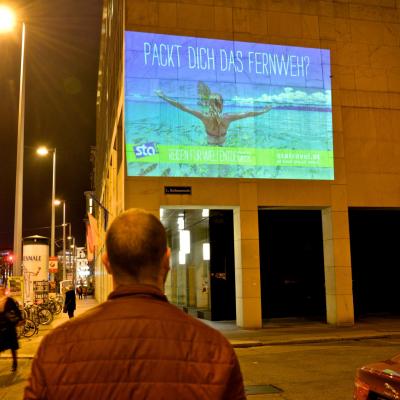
{"points": [[265, 134]]}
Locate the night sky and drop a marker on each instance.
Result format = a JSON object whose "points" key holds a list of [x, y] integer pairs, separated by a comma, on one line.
{"points": [[62, 52]]}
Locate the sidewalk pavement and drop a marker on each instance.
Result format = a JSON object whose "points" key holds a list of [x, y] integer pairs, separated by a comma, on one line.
{"points": [[286, 331], [12, 384], [274, 332], [28, 346]]}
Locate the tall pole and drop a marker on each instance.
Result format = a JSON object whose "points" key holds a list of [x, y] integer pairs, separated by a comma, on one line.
{"points": [[53, 210], [20, 164], [64, 253], [72, 255]]}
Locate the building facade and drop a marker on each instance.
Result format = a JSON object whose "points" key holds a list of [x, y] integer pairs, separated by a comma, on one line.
{"points": [[363, 37]]}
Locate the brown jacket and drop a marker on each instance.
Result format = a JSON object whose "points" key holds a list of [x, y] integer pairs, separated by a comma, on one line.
{"points": [[135, 346]]}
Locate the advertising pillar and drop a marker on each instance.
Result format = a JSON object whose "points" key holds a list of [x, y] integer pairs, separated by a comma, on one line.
{"points": [[35, 263]]}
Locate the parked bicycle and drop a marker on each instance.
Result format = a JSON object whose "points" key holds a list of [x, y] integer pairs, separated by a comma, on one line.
{"points": [[53, 305], [38, 313], [27, 329]]}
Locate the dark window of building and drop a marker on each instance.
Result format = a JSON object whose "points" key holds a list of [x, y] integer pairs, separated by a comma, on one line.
{"points": [[292, 264], [375, 258]]}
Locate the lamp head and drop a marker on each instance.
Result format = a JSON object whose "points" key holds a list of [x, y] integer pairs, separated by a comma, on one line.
{"points": [[7, 19], [42, 151]]}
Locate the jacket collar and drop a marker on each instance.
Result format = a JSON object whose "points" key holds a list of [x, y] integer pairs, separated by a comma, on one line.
{"points": [[137, 290]]}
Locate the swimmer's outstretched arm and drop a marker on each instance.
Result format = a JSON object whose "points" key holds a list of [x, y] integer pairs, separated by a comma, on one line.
{"points": [[176, 104], [235, 117]]}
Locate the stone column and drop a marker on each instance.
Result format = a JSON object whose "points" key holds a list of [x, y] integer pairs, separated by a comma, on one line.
{"points": [[337, 259], [247, 259]]}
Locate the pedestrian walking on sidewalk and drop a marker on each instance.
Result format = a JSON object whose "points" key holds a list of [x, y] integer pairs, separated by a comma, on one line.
{"points": [[70, 302], [136, 345], [10, 317], [79, 292]]}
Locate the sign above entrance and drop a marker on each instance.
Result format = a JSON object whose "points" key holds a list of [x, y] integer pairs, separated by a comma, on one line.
{"points": [[197, 107], [177, 189]]}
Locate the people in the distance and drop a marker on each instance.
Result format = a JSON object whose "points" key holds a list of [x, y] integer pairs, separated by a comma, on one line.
{"points": [[136, 345], [70, 301], [10, 317], [216, 122]]}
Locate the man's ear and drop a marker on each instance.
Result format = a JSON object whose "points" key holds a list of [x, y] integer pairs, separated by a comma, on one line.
{"points": [[106, 263]]}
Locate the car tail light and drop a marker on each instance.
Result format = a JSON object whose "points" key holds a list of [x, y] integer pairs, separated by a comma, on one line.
{"points": [[361, 390]]}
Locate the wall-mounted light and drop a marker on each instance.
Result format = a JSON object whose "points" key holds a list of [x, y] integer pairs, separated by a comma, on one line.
{"points": [[206, 251], [182, 258], [184, 241], [181, 223], [205, 213]]}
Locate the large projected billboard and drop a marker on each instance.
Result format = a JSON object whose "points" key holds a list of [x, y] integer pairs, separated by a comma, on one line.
{"points": [[214, 108]]}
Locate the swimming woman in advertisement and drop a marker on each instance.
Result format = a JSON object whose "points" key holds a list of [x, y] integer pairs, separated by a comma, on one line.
{"points": [[215, 122]]}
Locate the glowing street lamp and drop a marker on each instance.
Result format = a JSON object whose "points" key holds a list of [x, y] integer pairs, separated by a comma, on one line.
{"points": [[43, 151], [7, 19], [7, 23]]}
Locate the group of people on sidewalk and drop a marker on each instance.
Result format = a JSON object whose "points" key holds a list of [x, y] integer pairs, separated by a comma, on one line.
{"points": [[135, 345], [82, 292], [70, 298]]}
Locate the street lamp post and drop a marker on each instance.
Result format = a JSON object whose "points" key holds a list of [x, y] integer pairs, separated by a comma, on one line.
{"points": [[72, 256], [43, 151], [57, 203], [64, 245], [7, 23]]}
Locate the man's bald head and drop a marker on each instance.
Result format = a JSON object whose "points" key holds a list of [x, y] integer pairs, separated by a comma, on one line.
{"points": [[136, 243]]}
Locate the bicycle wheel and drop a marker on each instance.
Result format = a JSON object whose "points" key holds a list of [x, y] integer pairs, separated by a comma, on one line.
{"points": [[56, 307], [50, 306], [24, 313], [45, 316], [29, 328]]}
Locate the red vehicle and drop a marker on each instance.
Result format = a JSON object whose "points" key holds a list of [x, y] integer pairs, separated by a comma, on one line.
{"points": [[378, 381]]}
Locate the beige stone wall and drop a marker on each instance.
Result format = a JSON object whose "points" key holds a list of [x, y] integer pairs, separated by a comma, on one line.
{"points": [[364, 39]]}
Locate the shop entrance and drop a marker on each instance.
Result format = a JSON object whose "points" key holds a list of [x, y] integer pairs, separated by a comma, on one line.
{"points": [[375, 259], [292, 264], [202, 277]]}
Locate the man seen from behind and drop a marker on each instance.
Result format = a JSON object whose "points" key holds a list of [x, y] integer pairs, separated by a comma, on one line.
{"points": [[135, 345]]}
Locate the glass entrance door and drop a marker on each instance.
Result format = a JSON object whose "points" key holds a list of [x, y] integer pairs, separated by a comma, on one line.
{"points": [[202, 276], [188, 238]]}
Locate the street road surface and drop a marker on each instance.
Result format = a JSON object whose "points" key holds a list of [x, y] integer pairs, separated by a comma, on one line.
{"points": [[303, 372], [312, 371]]}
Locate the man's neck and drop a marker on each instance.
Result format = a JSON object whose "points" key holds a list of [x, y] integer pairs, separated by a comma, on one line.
{"points": [[130, 281]]}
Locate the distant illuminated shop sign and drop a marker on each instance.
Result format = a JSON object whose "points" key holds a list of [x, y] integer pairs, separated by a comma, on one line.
{"points": [[198, 107]]}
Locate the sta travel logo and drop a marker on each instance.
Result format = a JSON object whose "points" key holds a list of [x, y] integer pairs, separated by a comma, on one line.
{"points": [[145, 150]]}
